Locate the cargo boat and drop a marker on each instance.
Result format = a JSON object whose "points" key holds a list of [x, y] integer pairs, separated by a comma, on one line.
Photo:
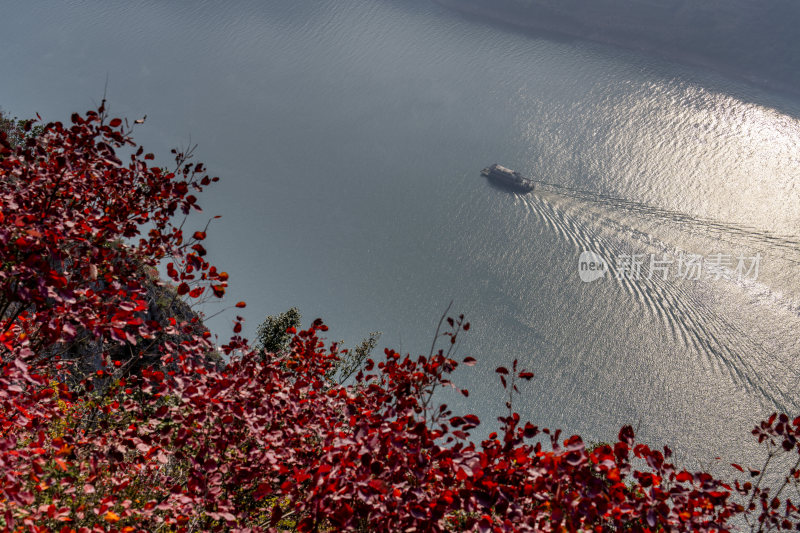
{"points": [[510, 178]]}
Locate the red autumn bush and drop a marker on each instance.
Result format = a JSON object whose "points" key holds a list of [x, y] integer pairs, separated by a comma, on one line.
{"points": [[91, 442]]}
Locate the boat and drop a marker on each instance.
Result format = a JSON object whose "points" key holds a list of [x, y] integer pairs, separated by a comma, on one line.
{"points": [[510, 178]]}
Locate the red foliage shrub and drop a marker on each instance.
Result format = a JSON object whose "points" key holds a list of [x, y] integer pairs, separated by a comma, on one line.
{"points": [[72, 216], [265, 443]]}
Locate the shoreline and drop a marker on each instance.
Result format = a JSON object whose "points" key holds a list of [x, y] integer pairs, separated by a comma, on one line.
{"points": [[544, 28]]}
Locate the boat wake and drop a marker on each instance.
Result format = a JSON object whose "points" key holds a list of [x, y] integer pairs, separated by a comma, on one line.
{"points": [[687, 310], [722, 232]]}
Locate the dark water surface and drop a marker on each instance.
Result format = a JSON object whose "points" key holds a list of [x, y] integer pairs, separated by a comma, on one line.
{"points": [[350, 135]]}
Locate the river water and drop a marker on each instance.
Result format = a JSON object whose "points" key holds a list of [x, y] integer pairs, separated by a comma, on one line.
{"points": [[350, 135]]}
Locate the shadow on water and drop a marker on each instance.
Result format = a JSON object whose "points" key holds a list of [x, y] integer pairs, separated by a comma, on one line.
{"points": [[757, 90]]}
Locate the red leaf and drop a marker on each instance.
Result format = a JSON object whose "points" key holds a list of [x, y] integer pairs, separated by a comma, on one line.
{"points": [[472, 419], [626, 435], [241, 304], [115, 122], [501, 370], [277, 513]]}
